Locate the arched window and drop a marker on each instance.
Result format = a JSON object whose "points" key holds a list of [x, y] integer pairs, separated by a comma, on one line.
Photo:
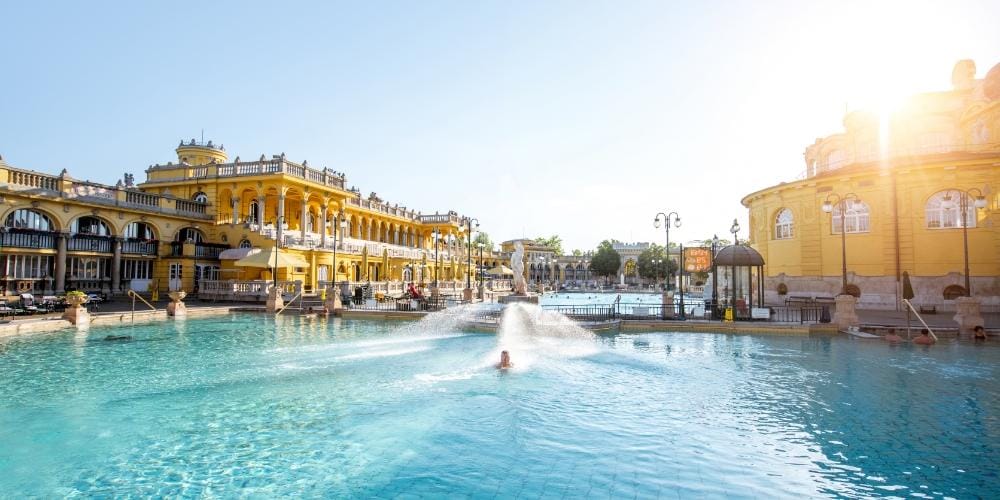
{"points": [[90, 225], [200, 197], [857, 217], [952, 292], [26, 218], [245, 244], [784, 225], [189, 233], [943, 210], [254, 216], [407, 274], [139, 231]]}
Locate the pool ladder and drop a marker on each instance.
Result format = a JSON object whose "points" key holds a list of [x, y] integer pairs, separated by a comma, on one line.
{"points": [[135, 295], [908, 304]]}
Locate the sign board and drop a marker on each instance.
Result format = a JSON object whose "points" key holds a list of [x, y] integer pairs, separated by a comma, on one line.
{"points": [[697, 259]]}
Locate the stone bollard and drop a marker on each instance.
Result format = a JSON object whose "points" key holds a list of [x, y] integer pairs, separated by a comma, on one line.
{"points": [[668, 304], [846, 316], [176, 307], [332, 303], [467, 295], [967, 314], [75, 312], [275, 302]]}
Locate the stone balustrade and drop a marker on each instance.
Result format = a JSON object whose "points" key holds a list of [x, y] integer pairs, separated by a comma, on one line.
{"points": [[244, 291], [64, 186]]}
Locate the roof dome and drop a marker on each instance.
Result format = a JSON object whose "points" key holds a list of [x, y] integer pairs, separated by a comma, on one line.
{"points": [[738, 255]]}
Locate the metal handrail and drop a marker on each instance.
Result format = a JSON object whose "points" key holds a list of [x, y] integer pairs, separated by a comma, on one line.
{"points": [[135, 295], [907, 302], [289, 303]]}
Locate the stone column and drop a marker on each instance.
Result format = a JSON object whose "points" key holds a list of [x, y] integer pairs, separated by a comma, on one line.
{"points": [[279, 221], [967, 314], [305, 217], [116, 266], [61, 263], [324, 212], [845, 316]]}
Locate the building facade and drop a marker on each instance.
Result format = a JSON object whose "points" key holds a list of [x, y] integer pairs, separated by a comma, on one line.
{"points": [[172, 232], [909, 194]]}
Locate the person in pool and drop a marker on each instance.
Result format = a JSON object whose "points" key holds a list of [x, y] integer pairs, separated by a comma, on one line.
{"points": [[978, 333], [924, 338], [504, 361], [892, 337]]}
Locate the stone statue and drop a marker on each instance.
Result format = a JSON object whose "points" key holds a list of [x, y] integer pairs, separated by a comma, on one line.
{"points": [[517, 264]]}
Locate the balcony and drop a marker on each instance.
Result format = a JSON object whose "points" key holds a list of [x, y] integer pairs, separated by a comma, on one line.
{"points": [[276, 165], [140, 247], [209, 250], [28, 238], [90, 243]]}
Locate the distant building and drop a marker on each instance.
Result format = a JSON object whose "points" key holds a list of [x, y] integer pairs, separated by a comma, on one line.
{"points": [[911, 181]]}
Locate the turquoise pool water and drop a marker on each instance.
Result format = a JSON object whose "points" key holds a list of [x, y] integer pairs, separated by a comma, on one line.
{"points": [[245, 406]]}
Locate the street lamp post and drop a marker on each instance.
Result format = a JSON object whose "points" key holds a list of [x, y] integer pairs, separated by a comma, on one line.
{"points": [[667, 219], [3, 271], [715, 279], [735, 229], [437, 261], [963, 207], [482, 276], [841, 202], [339, 223], [277, 247], [468, 265]]}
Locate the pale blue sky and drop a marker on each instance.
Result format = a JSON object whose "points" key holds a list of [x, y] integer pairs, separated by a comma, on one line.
{"points": [[577, 118]]}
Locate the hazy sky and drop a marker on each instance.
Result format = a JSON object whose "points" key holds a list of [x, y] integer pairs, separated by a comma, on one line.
{"points": [[575, 118]]}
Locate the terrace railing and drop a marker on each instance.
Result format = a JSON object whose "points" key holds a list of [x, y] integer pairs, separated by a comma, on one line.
{"points": [[90, 243], [28, 238], [140, 247]]}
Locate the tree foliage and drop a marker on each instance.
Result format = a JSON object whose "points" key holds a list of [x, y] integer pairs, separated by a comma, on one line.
{"points": [[553, 242], [577, 253], [606, 260], [483, 238], [659, 270]]}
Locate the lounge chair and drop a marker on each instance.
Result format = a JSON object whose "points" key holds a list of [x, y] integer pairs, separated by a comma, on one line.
{"points": [[28, 303]]}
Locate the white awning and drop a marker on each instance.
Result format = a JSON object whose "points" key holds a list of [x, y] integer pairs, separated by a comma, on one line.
{"points": [[237, 253]]}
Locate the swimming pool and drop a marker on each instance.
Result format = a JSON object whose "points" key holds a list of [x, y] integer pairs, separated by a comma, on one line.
{"points": [[246, 405]]}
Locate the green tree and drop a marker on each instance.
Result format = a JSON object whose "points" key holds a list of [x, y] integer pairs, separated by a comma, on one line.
{"points": [[659, 270], [606, 260], [553, 242], [577, 253], [483, 238]]}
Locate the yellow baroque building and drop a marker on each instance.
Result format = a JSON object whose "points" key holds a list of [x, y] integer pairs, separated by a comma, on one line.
{"points": [[911, 188], [190, 221]]}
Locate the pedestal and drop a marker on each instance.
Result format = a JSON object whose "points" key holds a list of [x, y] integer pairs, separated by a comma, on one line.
{"points": [[332, 302], [967, 314], [176, 307], [275, 302], [435, 292], [467, 295], [667, 300], [846, 316], [77, 315]]}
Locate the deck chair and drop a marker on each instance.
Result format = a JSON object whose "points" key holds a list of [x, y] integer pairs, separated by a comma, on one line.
{"points": [[28, 303]]}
